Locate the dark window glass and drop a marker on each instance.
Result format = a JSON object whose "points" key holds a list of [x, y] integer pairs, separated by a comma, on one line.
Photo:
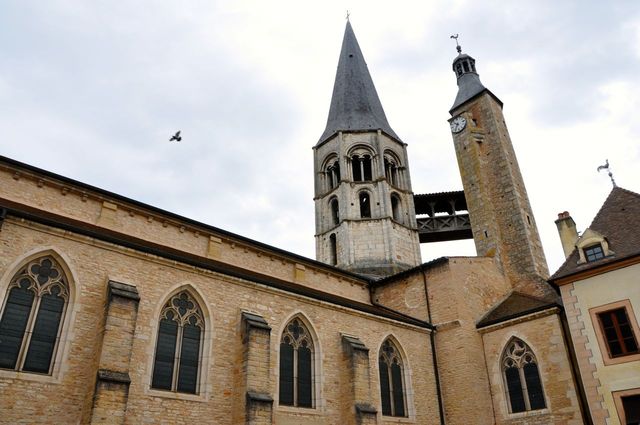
{"points": [[296, 365], [534, 386], [335, 211], [189, 359], [355, 167], [286, 374], [385, 389], [631, 407], [45, 333], [165, 355], [304, 377], [514, 386], [366, 165], [365, 205], [13, 324], [177, 361], [398, 394], [395, 208], [32, 316], [618, 333], [594, 252]]}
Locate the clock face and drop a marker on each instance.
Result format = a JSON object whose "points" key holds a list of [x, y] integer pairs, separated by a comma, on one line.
{"points": [[458, 124]]}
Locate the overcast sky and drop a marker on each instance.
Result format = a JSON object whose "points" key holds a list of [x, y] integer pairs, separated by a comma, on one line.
{"points": [[93, 90]]}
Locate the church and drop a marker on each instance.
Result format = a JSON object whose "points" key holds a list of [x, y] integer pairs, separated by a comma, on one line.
{"points": [[116, 312]]}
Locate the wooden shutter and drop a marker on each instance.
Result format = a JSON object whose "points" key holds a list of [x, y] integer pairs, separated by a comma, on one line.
{"points": [[304, 377], [189, 359], [286, 374], [514, 386], [165, 355], [534, 386], [13, 324], [398, 393], [45, 334], [385, 390]]}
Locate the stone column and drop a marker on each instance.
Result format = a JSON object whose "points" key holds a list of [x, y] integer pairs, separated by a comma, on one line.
{"points": [[358, 364], [256, 359], [112, 385]]}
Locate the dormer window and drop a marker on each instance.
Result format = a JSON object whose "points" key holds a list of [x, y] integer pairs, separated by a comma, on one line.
{"points": [[592, 247], [593, 253]]}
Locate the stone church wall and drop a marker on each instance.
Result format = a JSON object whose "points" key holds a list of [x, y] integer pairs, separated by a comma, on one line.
{"points": [[69, 398]]}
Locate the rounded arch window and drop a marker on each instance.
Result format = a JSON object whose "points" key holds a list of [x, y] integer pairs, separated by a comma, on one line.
{"points": [[365, 204], [335, 211], [396, 208], [392, 169], [33, 312], [332, 172], [333, 249], [361, 164]]}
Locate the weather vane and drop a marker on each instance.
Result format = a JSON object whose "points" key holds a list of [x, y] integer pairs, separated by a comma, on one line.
{"points": [[606, 167], [348, 14], [458, 47]]}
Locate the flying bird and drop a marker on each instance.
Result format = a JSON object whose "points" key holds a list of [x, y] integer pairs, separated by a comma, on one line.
{"points": [[176, 137]]}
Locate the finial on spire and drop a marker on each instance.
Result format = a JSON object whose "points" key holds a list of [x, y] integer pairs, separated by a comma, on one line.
{"points": [[458, 47], [348, 14], [606, 167]]}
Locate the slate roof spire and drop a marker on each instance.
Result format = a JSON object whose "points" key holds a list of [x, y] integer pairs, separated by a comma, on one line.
{"points": [[355, 105]]}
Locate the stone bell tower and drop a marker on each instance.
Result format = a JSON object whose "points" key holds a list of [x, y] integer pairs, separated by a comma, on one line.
{"points": [[365, 216], [501, 218]]}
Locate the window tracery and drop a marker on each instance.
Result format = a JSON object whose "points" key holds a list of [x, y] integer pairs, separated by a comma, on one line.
{"points": [[296, 365], [392, 391], [178, 347], [522, 378], [32, 315]]}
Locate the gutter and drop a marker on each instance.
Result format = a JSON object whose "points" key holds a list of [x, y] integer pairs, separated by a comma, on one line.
{"points": [[434, 356]]}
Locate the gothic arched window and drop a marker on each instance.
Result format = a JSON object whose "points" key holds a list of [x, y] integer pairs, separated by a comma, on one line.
{"points": [[365, 204], [521, 377], [32, 315], [392, 392], [178, 349], [296, 365]]}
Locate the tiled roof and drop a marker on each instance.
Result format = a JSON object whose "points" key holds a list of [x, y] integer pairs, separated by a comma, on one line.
{"points": [[618, 221], [515, 305]]}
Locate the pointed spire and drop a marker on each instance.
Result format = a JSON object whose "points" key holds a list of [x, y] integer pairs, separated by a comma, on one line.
{"points": [[355, 105], [469, 84]]}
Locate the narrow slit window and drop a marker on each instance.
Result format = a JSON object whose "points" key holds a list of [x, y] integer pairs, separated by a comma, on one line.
{"points": [[365, 205]]}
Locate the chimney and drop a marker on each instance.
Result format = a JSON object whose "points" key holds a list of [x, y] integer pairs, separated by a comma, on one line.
{"points": [[567, 231]]}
